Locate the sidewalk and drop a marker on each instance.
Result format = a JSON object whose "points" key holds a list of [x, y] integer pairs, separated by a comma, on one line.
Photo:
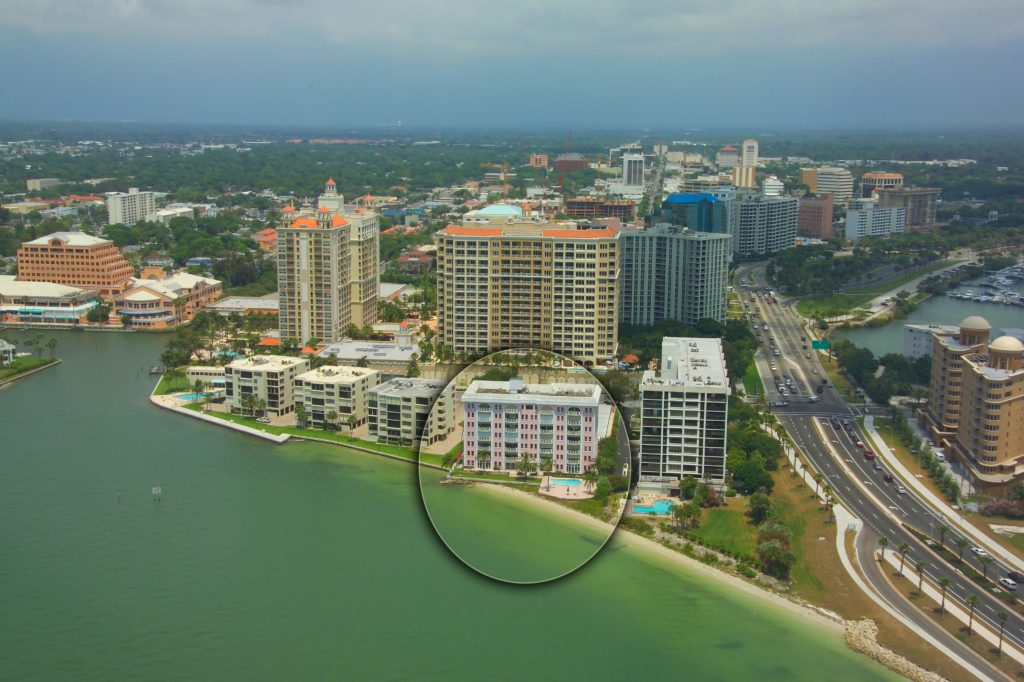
{"points": [[949, 515]]}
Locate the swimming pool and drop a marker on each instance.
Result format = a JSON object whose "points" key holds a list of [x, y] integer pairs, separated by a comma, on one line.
{"points": [[189, 397], [659, 507], [566, 481]]}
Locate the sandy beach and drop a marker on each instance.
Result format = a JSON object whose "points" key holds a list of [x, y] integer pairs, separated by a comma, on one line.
{"points": [[643, 544]]}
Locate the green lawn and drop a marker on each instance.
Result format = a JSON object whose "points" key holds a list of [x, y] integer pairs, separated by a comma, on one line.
{"points": [[169, 383], [839, 304], [22, 365], [752, 383], [339, 438], [729, 528], [493, 476]]}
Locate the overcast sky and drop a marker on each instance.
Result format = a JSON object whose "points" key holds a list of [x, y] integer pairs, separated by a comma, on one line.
{"points": [[609, 63]]}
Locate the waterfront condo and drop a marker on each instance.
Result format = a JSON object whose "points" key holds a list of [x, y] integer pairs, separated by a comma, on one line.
{"points": [[505, 282], [685, 411], [403, 412], [556, 427], [267, 378], [335, 394]]}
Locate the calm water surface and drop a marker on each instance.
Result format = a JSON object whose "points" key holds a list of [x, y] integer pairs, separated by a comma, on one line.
{"points": [[307, 561]]}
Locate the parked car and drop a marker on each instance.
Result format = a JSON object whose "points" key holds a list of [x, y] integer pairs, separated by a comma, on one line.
{"points": [[1008, 583], [939, 456], [263, 420]]}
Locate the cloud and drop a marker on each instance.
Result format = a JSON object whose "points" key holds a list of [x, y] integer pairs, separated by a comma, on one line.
{"points": [[583, 27]]}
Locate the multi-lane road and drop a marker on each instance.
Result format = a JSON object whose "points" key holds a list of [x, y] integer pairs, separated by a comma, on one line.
{"points": [[885, 507]]}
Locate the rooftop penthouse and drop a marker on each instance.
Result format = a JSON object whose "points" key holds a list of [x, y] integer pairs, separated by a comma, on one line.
{"points": [[514, 391]]}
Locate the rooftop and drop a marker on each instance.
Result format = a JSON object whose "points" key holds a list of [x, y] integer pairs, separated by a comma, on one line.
{"points": [[690, 362], [242, 303], [339, 374], [379, 351], [690, 198], [410, 387], [10, 287], [267, 362], [515, 391], [70, 239]]}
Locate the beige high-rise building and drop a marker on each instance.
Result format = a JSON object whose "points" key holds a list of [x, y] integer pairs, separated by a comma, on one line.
{"points": [[328, 269], [748, 153], [920, 203], [976, 400], [552, 286], [834, 180], [75, 259]]}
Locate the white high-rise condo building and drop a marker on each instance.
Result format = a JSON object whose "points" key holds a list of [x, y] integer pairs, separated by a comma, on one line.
{"points": [[765, 224], [684, 415], [633, 170], [130, 208], [748, 153], [864, 218]]}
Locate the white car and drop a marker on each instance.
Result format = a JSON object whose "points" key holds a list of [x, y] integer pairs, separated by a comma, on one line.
{"points": [[1008, 584], [978, 551], [901, 490], [814, 371], [939, 456]]}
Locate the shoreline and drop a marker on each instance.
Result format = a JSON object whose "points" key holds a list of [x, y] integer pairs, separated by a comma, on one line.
{"points": [[810, 614], [11, 380]]}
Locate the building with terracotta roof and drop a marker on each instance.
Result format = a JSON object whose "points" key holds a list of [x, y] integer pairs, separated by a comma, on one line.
{"points": [[328, 268], [166, 303], [266, 239], [76, 259], [508, 284], [416, 261]]}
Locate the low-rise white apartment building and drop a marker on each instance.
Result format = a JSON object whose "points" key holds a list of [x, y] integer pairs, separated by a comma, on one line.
{"points": [[403, 411], [335, 393], [685, 412], [554, 426], [264, 377]]}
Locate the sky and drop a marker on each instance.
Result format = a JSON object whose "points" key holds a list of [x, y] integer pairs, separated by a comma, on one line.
{"points": [[528, 63]]}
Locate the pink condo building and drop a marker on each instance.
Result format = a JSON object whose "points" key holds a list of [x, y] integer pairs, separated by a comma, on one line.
{"points": [[556, 426]]}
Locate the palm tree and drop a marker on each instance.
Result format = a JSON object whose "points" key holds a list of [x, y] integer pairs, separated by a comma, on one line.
{"points": [[883, 542], [352, 421], [52, 345], [903, 548], [261, 405], [1002, 616], [985, 561], [329, 420], [972, 601], [944, 584], [920, 566], [943, 529], [961, 544], [198, 387], [590, 477], [300, 415], [817, 482]]}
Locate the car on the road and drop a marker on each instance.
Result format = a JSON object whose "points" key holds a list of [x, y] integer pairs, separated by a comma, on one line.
{"points": [[781, 403], [814, 370], [834, 423], [1008, 583], [813, 399], [868, 454], [819, 390], [807, 356], [978, 551], [773, 367], [939, 456], [901, 490], [887, 478], [878, 465], [764, 327], [859, 444]]}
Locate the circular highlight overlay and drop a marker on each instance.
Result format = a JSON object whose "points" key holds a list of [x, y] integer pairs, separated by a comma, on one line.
{"points": [[524, 466]]}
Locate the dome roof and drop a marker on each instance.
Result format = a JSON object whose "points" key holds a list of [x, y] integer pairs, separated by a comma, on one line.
{"points": [[976, 323], [1007, 344]]}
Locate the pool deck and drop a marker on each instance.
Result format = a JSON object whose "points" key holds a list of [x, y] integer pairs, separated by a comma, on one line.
{"points": [[564, 492], [649, 502]]}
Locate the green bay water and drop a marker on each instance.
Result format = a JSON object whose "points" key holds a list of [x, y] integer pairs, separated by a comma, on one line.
{"points": [[936, 310], [505, 537], [307, 561]]}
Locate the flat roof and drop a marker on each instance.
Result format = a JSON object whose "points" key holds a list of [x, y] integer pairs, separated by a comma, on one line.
{"points": [[684, 198], [687, 361], [513, 392], [380, 351], [336, 374], [240, 303], [416, 387], [265, 363]]}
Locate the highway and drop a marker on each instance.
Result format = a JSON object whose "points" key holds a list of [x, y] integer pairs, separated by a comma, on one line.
{"points": [[856, 483]]}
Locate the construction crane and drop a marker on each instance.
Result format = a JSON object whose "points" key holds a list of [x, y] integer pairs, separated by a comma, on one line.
{"points": [[504, 168]]}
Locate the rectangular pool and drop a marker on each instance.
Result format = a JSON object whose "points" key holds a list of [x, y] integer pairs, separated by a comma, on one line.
{"points": [[566, 481]]}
